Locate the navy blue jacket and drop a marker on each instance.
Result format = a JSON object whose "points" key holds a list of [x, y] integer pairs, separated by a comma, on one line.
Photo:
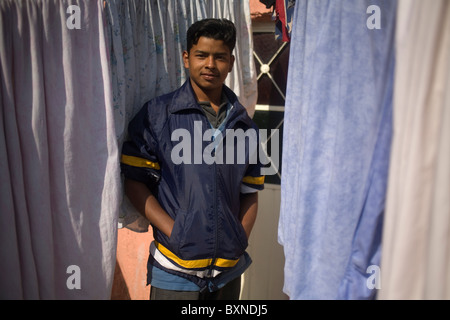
{"points": [[202, 197]]}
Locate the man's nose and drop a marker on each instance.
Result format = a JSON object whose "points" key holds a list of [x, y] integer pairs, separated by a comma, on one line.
{"points": [[210, 62]]}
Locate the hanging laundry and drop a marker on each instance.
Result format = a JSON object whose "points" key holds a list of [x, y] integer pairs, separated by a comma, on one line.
{"points": [[59, 162], [268, 3], [416, 234], [336, 147], [284, 10]]}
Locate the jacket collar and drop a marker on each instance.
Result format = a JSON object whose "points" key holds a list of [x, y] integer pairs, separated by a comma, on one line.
{"points": [[184, 99]]}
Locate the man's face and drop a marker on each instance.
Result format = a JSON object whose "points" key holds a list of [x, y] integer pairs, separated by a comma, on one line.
{"points": [[209, 62]]}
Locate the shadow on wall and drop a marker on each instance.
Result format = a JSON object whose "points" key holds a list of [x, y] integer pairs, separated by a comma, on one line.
{"points": [[119, 288], [130, 277]]}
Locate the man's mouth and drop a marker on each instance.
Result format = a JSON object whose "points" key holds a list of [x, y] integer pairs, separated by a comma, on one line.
{"points": [[208, 76]]}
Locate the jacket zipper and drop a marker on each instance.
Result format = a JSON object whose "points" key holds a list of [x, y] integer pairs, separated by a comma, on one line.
{"points": [[216, 220], [216, 215]]}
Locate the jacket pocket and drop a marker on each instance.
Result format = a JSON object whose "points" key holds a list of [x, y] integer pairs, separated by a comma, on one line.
{"points": [[235, 239], [242, 236], [178, 232]]}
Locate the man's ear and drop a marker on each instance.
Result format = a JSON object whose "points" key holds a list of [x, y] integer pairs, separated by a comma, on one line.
{"points": [[186, 59], [231, 63]]}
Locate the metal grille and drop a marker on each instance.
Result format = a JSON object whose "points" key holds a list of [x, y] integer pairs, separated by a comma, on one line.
{"points": [[265, 68], [271, 56]]}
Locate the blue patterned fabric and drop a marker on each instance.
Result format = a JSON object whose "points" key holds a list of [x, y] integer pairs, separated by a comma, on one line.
{"points": [[338, 123]]}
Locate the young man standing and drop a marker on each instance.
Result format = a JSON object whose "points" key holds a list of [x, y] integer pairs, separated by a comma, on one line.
{"points": [[201, 199]]}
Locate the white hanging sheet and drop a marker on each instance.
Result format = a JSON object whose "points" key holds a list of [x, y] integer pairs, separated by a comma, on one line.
{"points": [[59, 165], [416, 239]]}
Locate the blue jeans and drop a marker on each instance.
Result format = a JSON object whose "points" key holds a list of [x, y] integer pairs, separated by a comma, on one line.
{"points": [[230, 291]]}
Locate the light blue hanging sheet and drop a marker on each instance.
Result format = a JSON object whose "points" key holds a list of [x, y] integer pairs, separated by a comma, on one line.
{"points": [[336, 147]]}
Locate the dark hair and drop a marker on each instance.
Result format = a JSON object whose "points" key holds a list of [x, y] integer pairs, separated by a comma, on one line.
{"points": [[217, 29]]}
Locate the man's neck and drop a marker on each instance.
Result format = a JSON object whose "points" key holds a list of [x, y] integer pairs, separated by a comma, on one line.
{"points": [[214, 97]]}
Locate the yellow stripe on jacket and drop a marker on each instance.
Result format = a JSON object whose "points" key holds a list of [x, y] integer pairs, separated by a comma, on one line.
{"points": [[139, 162], [195, 264], [254, 180]]}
